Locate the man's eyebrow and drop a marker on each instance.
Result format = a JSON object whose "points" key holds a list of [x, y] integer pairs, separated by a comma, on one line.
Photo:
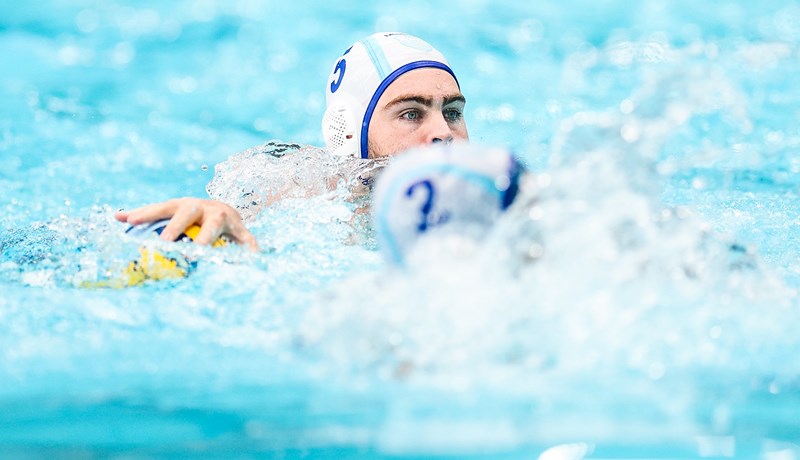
{"points": [[426, 101], [455, 98]]}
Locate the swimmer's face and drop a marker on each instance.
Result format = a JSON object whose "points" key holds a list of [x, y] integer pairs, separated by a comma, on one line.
{"points": [[422, 106]]}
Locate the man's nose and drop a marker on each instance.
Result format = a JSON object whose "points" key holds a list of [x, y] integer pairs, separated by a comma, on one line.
{"points": [[440, 131]]}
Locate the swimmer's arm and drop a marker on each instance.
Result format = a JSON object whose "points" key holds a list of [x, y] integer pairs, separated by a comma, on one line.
{"points": [[214, 218]]}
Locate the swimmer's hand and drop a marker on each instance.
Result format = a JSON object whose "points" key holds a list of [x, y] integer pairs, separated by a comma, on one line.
{"points": [[214, 218]]}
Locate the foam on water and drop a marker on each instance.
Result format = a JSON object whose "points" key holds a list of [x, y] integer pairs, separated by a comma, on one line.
{"points": [[576, 278]]}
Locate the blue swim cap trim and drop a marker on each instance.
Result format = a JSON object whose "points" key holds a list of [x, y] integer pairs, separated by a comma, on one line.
{"points": [[385, 84], [514, 171]]}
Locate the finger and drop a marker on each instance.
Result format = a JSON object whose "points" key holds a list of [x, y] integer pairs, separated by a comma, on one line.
{"points": [[152, 212], [250, 241], [185, 215], [241, 235], [226, 224], [121, 216], [209, 232]]}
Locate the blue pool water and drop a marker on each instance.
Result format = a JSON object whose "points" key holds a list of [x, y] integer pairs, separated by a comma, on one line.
{"points": [[641, 301]]}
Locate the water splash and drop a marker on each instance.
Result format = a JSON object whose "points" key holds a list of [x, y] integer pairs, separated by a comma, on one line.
{"points": [[589, 284], [254, 179]]}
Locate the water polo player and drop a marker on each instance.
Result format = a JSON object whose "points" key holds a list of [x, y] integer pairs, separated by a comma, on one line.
{"points": [[385, 94]]}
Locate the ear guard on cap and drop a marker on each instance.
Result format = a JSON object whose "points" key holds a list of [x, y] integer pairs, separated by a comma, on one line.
{"points": [[340, 130]]}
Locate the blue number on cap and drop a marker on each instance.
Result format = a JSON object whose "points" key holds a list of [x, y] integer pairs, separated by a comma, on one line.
{"points": [[426, 206], [340, 68]]}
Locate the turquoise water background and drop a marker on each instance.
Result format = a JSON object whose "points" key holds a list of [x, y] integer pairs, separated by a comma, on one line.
{"points": [[660, 322]]}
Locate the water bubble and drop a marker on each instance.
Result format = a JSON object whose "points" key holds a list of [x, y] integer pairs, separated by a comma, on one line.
{"points": [[501, 183], [630, 132], [626, 106], [553, 107], [698, 183], [683, 212], [787, 22], [505, 112], [621, 54], [652, 52], [109, 130], [285, 60], [486, 63], [574, 451], [535, 251], [774, 137], [261, 124], [122, 54], [530, 31], [69, 55], [87, 20], [543, 180], [182, 85], [536, 213], [773, 388]]}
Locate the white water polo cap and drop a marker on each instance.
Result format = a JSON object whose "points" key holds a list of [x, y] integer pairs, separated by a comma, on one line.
{"points": [[458, 188], [359, 78]]}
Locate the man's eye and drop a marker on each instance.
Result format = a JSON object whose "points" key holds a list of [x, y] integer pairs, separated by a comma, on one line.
{"points": [[452, 114], [411, 115]]}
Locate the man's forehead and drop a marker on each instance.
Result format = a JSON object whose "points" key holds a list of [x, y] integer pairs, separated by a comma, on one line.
{"points": [[425, 83], [424, 78]]}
